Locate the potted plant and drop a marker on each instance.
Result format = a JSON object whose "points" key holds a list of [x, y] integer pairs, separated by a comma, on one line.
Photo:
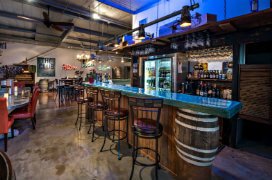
{"points": [[91, 75]]}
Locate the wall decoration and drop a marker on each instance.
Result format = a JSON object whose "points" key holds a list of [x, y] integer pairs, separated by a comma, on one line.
{"points": [[46, 67], [68, 67]]}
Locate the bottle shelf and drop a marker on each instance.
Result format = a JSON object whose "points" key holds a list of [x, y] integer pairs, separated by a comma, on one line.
{"points": [[213, 80]]}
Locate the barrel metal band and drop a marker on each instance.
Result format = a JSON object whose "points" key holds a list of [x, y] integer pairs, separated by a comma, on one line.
{"points": [[197, 128], [197, 119], [195, 157], [193, 112], [196, 163], [196, 149]]}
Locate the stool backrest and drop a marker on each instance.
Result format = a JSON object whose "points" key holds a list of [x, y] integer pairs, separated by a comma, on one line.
{"points": [[148, 109], [92, 93], [111, 99]]}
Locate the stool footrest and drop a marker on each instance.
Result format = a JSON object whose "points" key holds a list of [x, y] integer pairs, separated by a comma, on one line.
{"points": [[144, 164]]}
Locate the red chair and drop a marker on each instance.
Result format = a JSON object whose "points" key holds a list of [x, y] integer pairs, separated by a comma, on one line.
{"points": [[30, 112], [6, 122]]}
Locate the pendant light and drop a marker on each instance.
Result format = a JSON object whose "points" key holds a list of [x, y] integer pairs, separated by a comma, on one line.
{"points": [[141, 34], [186, 20], [116, 42]]}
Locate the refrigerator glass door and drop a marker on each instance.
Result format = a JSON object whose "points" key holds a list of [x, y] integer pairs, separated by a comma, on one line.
{"points": [[150, 75], [164, 79]]}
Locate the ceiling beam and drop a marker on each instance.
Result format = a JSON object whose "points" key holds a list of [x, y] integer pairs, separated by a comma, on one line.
{"points": [[37, 20], [75, 11], [82, 40], [31, 31], [25, 40]]}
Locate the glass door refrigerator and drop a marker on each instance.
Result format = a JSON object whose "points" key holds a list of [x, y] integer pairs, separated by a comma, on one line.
{"points": [[158, 74], [164, 74], [150, 75]]}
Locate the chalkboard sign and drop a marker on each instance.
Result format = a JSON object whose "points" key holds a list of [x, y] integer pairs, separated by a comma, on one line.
{"points": [[46, 67]]}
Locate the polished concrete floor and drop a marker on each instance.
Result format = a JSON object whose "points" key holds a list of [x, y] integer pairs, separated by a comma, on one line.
{"points": [[57, 150]]}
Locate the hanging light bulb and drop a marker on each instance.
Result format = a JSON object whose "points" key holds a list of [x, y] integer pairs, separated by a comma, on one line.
{"points": [[186, 20], [100, 45], [122, 60], [141, 34], [116, 42]]}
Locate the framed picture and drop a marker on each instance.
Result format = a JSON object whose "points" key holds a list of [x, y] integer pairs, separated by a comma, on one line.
{"points": [[46, 67]]}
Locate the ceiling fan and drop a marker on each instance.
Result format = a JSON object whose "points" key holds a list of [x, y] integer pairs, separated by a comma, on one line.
{"points": [[59, 26]]}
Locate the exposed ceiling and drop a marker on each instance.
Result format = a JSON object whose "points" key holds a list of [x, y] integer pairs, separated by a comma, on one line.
{"points": [[23, 21], [130, 6]]}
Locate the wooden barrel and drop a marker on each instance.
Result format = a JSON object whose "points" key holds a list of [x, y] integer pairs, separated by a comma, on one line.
{"points": [[43, 84], [197, 140], [6, 171]]}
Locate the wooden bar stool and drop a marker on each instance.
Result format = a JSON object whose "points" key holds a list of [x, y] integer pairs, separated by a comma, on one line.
{"points": [[93, 107], [81, 100], [145, 114], [115, 114]]}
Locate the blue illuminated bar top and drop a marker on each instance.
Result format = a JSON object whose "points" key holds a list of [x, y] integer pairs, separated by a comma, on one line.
{"points": [[213, 106]]}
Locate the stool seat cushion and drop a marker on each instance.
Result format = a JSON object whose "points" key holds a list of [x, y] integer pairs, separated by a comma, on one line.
{"points": [[81, 101], [96, 105], [147, 126], [115, 113]]}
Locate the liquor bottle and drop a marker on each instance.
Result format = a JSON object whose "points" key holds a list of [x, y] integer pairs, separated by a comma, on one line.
{"points": [[205, 93], [217, 75], [198, 90], [208, 74], [201, 74], [218, 93], [254, 4], [201, 91], [214, 91], [209, 91]]}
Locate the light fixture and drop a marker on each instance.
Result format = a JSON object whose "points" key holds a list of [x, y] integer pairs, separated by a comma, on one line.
{"points": [[100, 45], [116, 42], [186, 19], [141, 34], [96, 16], [83, 57], [122, 60]]}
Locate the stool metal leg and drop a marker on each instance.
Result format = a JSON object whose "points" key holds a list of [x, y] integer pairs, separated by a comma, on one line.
{"points": [[105, 134], [157, 160], [77, 114], [119, 137], [94, 112], [133, 158], [80, 120], [90, 119]]}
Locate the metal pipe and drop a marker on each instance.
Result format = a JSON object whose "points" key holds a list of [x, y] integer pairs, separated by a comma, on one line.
{"points": [[176, 13]]}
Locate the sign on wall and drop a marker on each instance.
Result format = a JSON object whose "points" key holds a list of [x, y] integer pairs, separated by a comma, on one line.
{"points": [[46, 67]]}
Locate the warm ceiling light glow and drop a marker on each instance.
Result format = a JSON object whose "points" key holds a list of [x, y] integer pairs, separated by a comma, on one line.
{"points": [[27, 18], [122, 60], [185, 24], [96, 16]]}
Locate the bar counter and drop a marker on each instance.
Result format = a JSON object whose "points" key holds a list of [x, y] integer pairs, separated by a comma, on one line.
{"points": [[218, 107], [190, 138]]}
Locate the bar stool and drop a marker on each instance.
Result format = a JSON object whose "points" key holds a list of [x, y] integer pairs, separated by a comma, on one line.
{"points": [[93, 107], [81, 100], [115, 114], [146, 124]]}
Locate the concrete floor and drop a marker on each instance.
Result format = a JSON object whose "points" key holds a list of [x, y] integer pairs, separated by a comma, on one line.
{"points": [[57, 150]]}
